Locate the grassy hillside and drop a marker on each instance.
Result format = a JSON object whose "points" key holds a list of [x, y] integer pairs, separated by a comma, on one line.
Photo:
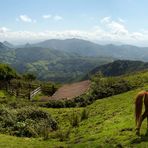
{"points": [[119, 67], [110, 124]]}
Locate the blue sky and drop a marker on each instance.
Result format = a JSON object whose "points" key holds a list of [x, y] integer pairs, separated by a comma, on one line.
{"points": [[122, 21]]}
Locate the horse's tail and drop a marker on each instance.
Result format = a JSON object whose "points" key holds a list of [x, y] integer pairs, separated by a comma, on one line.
{"points": [[138, 106]]}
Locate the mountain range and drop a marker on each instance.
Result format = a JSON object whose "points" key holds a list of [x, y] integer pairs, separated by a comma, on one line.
{"points": [[66, 60], [87, 48]]}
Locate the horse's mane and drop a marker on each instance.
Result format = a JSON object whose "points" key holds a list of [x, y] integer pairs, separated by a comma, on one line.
{"points": [[139, 104]]}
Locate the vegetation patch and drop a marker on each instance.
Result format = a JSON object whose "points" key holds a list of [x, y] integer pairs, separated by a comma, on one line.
{"points": [[25, 122], [102, 87]]}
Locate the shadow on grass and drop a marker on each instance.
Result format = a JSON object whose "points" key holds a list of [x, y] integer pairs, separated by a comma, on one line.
{"points": [[142, 138]]}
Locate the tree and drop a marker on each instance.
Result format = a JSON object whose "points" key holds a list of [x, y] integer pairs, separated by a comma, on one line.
{"points": [[7, 73], [29, 76]]}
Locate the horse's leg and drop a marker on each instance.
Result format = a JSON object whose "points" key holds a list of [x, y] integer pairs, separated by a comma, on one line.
{"points": [[147, 122], [145, 114], [147, 127]]}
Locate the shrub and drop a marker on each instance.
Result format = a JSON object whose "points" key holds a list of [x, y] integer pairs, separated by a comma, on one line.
{"points": [[45, 130], [84, 114], [26, 128], [7, 117], [37, 115], [63, 135], [49, 88], [70, 103], [7, 73], [58, 103], [26, 122], [106, 87], [55, 104], [29, 76], [74, 119]]}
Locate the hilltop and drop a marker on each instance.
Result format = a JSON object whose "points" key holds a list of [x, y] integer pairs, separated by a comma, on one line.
{"points": [[118, 67]]}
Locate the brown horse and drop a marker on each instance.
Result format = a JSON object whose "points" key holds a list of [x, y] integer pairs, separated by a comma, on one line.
{"points": [[141, 97]]}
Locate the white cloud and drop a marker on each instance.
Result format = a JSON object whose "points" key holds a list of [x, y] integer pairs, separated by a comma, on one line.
{"points": [[121, 20], [105, 19], [25, 18], [4, 29], [114, 30], [108, 30], [47, 16], [53, 17], [137, 35], [58, 18], [117, 28]]}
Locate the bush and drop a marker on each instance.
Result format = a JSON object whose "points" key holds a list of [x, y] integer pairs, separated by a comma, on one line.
{"points": [[29, 77], [74, 120], [7, 73], [31, 113], [8, 118], [26, 128], [70, 103], [58, 103], [54, 104], [105, 87], [45, 130], [26, 122], [63, 135], [48, 88], [84, 114], [36, 115]]}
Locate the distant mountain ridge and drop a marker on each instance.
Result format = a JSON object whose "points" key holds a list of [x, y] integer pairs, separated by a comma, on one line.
{"points": [[8, 44], [3, 47], [119, 67], [81, 47], [87, 48], [91, 49]]}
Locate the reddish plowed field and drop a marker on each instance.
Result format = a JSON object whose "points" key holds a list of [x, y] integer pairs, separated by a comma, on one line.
{"points": [[70, 91]]}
